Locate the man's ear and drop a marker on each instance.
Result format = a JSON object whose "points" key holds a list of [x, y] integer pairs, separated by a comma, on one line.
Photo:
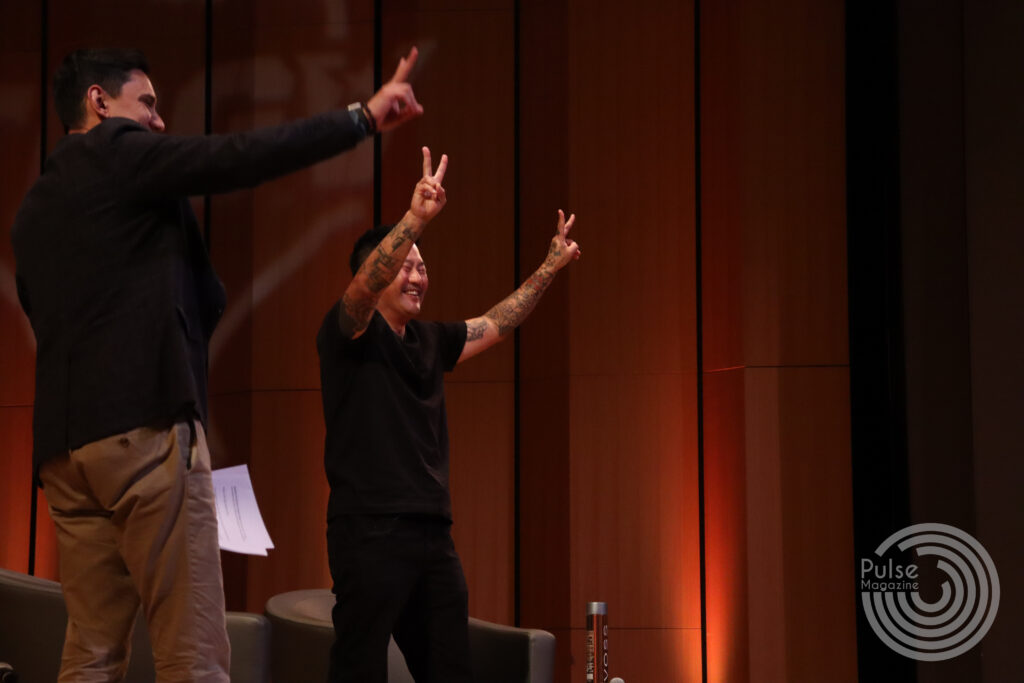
{"points": [[96, 100]]}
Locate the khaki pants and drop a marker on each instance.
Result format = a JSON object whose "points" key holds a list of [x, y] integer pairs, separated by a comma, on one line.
{"points": [[137, 525]]}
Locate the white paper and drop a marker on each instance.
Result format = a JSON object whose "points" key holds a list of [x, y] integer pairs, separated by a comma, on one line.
{"points": [[239, 524]]}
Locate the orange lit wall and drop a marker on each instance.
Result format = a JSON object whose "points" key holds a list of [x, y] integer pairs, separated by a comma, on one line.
{"points": [[594, 412], [609, 401], [776, 372], [20, 138]]}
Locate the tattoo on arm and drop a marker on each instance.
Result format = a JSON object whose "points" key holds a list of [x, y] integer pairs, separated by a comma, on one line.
{"points": [[513, 309], [354, 314], [379, 270], [475, 329], [382, 267]]}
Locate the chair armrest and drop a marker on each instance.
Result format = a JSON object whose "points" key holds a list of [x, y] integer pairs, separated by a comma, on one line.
{"points": [[507, 654], [250, 647]]}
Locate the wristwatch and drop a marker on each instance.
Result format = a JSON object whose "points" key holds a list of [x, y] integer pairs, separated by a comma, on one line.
{"points": [[363, 118]]}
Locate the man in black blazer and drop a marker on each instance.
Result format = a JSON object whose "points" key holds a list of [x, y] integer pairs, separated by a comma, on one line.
{"points": [[116, 280]]}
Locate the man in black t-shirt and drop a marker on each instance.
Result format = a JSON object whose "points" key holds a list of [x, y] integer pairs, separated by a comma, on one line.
{"points": [[389, 545]]}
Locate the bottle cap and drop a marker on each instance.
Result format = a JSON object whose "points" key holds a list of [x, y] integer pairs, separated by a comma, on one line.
{"points": [[597, 608]]}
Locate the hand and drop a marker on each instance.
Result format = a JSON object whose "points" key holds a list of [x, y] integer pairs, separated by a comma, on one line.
{"points": [[562, 249], [429, 196], [395, 103]]}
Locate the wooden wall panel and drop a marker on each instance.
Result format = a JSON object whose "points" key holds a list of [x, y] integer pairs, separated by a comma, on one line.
{"points": [[15, 486], [305, 223], [632, 349], [725, 527], [774, 183], [20, 139], [311, 58], [230, 241], [464, 81], [332, 15], [634, 296], [779, 508], [779, 525], [723, 282], [633, 515], [632, 332], [287, 473], [544, 565], [817, 516], [768, 583], [233, 77], [482, 479], [544, 430]]}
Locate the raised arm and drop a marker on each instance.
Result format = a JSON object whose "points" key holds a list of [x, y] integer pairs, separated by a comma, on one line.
{"points": [[157, 166], [383, 264], [490, 328]]}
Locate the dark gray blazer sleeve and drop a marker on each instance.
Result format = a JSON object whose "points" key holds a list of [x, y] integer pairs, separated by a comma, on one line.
{"points": [[152, 165]]}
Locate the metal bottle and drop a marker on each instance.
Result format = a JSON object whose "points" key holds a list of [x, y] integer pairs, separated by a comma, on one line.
{"points": [[597, 642]]}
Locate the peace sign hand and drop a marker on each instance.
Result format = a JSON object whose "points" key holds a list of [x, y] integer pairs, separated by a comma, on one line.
{"points": [[562, 249], [429, 196]]}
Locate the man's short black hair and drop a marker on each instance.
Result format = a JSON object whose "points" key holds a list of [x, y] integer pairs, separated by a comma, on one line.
{"points": [[109, 68], [366, 243]]}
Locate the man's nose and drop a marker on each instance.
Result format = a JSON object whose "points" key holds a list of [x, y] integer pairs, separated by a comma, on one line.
{"points": [[157, 123]]}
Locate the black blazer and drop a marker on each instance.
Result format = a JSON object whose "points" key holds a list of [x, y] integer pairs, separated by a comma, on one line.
{"points": [[115, 277]]}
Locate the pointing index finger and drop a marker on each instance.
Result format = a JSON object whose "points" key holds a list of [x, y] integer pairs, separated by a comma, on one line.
{"points": [[405, 66]]}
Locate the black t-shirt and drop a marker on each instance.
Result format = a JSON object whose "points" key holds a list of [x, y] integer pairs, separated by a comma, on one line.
{"points": [[386, 450]]}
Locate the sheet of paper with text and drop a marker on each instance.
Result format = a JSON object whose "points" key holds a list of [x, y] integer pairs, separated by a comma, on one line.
{"points": [[239, 523]]}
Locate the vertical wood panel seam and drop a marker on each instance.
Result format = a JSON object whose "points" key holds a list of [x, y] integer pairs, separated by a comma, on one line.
{"points": [[698, 216], [44, 67], [516, 418]]}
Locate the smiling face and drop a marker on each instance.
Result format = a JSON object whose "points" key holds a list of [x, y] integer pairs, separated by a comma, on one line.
{"points": [[136, 101], [402, 300]]}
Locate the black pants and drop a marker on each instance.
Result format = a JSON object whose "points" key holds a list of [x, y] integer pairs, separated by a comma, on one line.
{"points": [[397, 575]]}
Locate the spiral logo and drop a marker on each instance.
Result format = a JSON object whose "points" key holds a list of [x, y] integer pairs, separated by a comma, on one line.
{"points": [[957, 620]]}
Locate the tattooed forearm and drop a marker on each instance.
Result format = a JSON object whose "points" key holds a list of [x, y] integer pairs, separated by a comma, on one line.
{"points": [[354, 314], [380, 273], [377, 272], [514, 308], [475, 329], [383, 265]]}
